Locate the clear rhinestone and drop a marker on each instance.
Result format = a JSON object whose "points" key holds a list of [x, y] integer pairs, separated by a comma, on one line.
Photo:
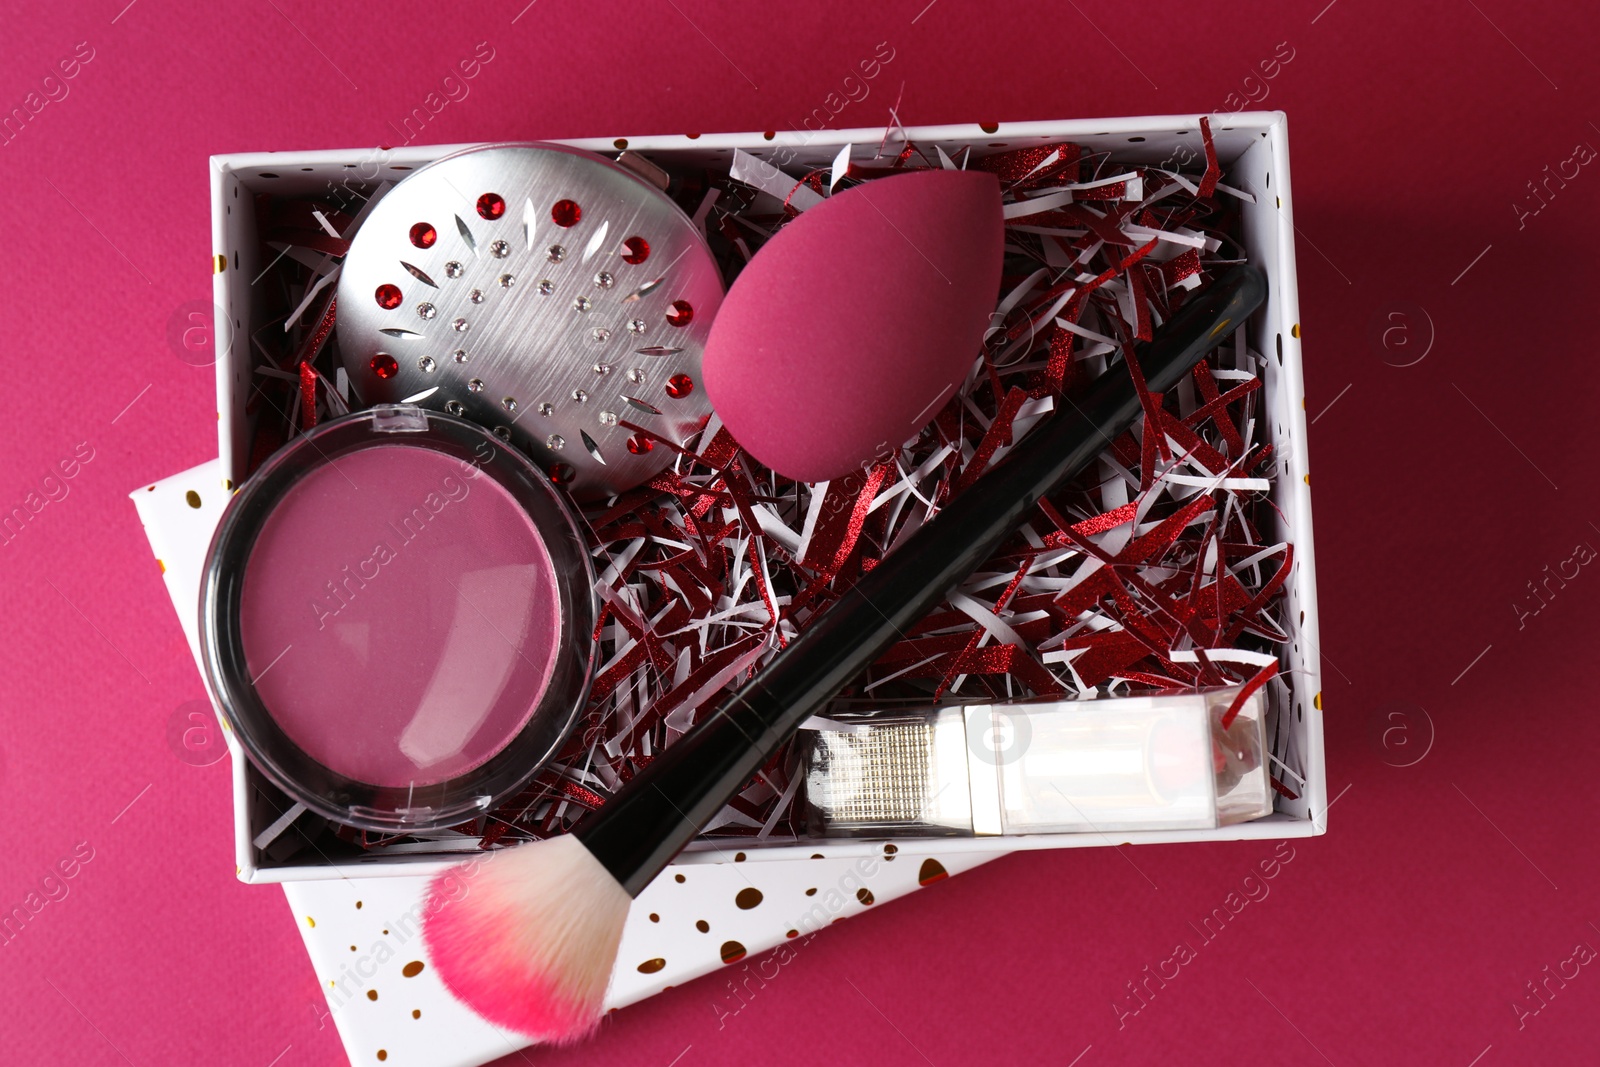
{"points": [[425, 364], [604, 279], [580, 396], [555, 442], [499, 249], [476, 296], [455, 407], [506, 281], [636, 375], [547, 409], [602, 369], [556, 254], [509, 403], [503, 433], [547, 287], [600, 334], [476, 385], [608, 418], [636, 326], [460, 325], [453, 269], [460, 355], [583, 303], [427, 311]]}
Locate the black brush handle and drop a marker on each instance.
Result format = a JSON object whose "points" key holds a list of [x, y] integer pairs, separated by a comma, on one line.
{"points": [[655, 815]]}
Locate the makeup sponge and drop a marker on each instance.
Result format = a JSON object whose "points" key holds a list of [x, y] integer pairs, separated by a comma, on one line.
{"points": [[848, 331]]}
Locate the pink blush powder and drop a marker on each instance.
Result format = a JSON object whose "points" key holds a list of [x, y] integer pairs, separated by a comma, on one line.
{"points": [[400, 616]]}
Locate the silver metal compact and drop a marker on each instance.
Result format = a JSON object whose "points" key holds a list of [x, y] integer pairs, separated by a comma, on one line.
{"points": [[543, 291]]}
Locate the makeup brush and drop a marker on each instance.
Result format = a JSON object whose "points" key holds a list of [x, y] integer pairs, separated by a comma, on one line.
{"points": [[531, 943]]}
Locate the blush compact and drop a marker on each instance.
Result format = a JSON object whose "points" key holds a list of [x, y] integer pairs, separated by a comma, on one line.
{"points": [[398, 613]]}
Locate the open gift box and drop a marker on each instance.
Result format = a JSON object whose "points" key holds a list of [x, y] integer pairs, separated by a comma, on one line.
{"points": [[1252, 149], [695, 919]]}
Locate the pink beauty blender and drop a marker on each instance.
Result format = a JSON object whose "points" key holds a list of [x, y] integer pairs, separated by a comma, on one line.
{"points": [[850, 329]]}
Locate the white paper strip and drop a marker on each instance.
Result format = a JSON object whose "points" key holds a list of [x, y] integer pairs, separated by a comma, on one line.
{"points": [[769, 179]]}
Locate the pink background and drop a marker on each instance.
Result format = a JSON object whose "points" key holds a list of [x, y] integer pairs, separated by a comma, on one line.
{"points": [[1443, 488]]}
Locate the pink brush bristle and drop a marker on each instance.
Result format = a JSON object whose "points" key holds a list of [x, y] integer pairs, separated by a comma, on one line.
{"points": [[527, 937]]}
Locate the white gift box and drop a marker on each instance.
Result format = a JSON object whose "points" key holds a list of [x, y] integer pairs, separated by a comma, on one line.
{"points": [[1253, 150], [415, 1021]]}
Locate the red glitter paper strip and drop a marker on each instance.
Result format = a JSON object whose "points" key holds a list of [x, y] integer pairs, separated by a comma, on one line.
{"points": [[609, 679], [997, 436], [720, 452], [1184, 265], [1148, 452], [1108, 653], [308, 396], [1273, 586], [1194, 446], [311, 346], [1151, 402], [573, 791], [844, 514], [1133, 257], [812, 181], [1213, 174], [1058, 375], [1114, 191], [1099, 524], [1148, 546], [1214, 404], [1256, 682], [858, 515], [977, 635], [1025, 168]]}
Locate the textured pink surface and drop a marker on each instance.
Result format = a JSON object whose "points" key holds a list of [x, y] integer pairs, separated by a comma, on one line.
{"points": [[385, 594], [1405, 936], [850, 329]]}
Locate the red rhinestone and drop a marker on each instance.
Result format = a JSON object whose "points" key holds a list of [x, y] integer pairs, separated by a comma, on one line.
{"points": [[383, 365], [635, 250], [388, 296], [491, 206], [562, 473], [680, 313], [679, 386], [639, 444], [566, 213], [423, 235]]}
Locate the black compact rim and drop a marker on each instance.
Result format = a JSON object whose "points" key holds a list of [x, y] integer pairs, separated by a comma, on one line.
{"points": [[321, 789]]}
